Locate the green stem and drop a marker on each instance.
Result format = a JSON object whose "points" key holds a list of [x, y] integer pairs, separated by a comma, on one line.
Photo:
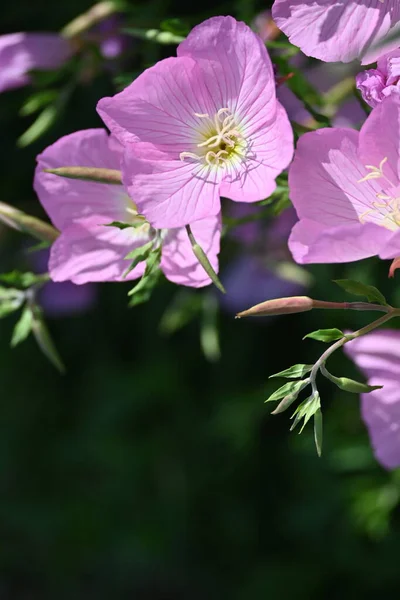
{"points": [[203, 260]]}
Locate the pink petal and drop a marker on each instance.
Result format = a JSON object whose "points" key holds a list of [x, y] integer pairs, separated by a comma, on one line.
{"points": [[333, 30], [235, 66], [23, 52], [380, 138], [159, 107], [179, 264], [378, 356], [270, 151], [66, 200], [313, 242], [88, 250], [392, 247], [324, 178], [170, 193]]}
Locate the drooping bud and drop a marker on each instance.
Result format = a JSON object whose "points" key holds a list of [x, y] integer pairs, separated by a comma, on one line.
{"points": [[110, 176], [94, 15], [203, 260], [279, 306], [394, 266], [27, 224]]}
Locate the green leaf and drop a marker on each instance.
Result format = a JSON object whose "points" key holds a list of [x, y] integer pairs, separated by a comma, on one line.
{"points": [[10, 300], [175, 26], [306, 410], [318, 431], [44, 339], [361, 289], [44, 121], [138, 255], [292, 387], [185, 306], [23, 280], [154, 35], [37, 101], [23, 327], [144, 288], [293, 372], [135, 224], [325, 335], [350, 385]]}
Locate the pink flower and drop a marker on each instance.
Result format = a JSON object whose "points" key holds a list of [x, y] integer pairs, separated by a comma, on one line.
{"points": [[22, 52], [377, 84], [378, 357], [338, 30], [345, 187], [88, 250], [203, 125]]}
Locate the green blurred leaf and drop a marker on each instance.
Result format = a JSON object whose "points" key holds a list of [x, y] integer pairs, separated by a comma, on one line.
{"points": [[155, 35], [10, 300], [361, 289], [44, 340], [185, 306], [23, 327], [175, 26], [44, 121], [325, 335], [293, 372], [37, 101], [23, 280]]}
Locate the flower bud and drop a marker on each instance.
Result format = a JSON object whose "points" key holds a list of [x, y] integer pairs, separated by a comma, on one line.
{"points": [[279, 306], [394, 266], [98, 175], [26, 224]]}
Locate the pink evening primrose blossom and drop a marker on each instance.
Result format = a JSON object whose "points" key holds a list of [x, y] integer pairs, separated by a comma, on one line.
{"points": [[345, 187], [202, 125], [23, 52], [377, 84], [87, 250], [339, 30], [377, 355]]}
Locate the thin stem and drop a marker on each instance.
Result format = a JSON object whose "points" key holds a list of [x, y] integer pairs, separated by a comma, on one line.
{"points": [[393, 312]]}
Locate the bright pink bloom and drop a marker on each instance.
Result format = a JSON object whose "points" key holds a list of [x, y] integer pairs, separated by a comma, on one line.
{"points": [[378, 357], [377, 84], [338, 30], [345, 187], [23, 52], [88, 250], [203, 125]]}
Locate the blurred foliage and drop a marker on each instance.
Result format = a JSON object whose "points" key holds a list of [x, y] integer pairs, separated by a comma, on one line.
{"points": [[152, 469]]}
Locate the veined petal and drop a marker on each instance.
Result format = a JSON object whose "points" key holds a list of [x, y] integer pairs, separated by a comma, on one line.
{"points": [[333, 30], [170, 193], [324, 179], [269, 153], [66, 200], [235, 66], [313, 242], [159, 107], [178, 262], [88, 250]]}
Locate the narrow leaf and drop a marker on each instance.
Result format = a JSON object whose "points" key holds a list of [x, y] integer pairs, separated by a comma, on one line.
{"points": [[23, 327], [361, 289], [42, 124], [318, 431], [23, 280], [325, 335], [292, 387], [294, 372], [44, 339], [138, 255], [10, 300]]}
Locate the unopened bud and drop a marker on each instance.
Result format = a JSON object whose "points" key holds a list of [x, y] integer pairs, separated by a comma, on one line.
{"points": [[94, 15], [97, 175], [394, 266], [27, 224], [279, 306]]}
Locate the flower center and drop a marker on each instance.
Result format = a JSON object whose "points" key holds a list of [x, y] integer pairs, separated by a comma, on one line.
{"points": [[220, 140], [386, 209]]}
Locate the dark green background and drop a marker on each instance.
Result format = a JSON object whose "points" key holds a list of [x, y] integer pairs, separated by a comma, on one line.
{"points": [[147, 472]]}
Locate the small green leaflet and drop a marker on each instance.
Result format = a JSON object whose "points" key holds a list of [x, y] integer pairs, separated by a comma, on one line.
{"points": [[139, 255], [350, 385], [23, 280], [325, 335], [10, 300], [44, 340], [360, 289], [293, 372], [23, 327], [292, 387], [119, 225], [144, 288], [306, 410]]}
